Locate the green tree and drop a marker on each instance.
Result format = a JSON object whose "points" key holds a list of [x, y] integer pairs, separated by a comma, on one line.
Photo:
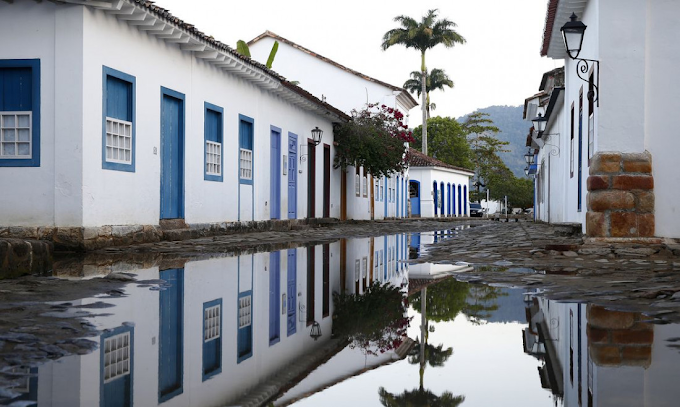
{"points": [[436, 80], [445, 300], [422, 36], [447, 141], [485, 147]]}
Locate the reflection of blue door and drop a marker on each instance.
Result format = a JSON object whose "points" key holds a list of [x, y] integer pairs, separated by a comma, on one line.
{"points": [[292, 176], [292, 291], [275, 174], [170, 336], [414, 194], [172, 154], [274, 290]]}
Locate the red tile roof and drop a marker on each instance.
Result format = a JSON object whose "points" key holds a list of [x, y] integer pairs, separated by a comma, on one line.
{"points": [[549, 23], [418, 159]]}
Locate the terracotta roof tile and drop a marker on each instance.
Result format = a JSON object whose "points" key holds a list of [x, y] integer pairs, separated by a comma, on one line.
{"points": [[418, 159], [549, 23]]}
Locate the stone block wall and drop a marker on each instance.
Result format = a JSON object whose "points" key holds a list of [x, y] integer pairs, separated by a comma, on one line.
{"points": [[620, 195], [618, 338]]}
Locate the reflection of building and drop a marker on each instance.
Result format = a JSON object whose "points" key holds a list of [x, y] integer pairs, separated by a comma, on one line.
{"points": [[216, 331], [372, 259], [598, 357], [418, 244]]}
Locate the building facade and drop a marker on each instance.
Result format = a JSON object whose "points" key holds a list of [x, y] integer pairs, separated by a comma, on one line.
{"points": [[367, 197], [614, 120], [119, 115]]}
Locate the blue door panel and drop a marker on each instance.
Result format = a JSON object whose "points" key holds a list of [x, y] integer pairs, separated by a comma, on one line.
{"points": [[291, 294], [415, 201], [274, 294], [275, 175], [171, 331], [172, 158], [292, 176]]}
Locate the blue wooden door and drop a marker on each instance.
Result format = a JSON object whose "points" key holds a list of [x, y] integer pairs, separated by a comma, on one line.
{"points": [[170, 336], [291, 293], [275, 175], [274, 295], [414, 192], [436, 197], [172, 155], [460, 200], [292, 176]]}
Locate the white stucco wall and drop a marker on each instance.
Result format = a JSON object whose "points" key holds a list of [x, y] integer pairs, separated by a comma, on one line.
{"points": [[342, 89], [49, 194], [427, 176]]}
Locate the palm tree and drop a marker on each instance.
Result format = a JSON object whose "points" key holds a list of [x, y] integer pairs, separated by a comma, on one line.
{"points": [[436, 80], [423, 36]]}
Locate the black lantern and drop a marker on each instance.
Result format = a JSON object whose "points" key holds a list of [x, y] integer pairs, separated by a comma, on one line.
{"points": [[317, 133], [316, 331], [572, 32], [529, 157], [539, 123]]}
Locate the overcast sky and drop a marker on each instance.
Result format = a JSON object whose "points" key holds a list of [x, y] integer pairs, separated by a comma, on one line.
{"points": [[499, 65]]}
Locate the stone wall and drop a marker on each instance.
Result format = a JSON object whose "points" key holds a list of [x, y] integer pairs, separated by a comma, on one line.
{"points": [[618, 338], [620, 196]]}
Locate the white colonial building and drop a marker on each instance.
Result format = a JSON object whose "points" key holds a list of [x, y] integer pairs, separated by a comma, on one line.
{"points": [[118, 114], [436, 188], [366, 197], [612, 125]]}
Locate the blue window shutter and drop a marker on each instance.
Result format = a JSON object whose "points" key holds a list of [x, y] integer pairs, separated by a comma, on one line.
{"points": [[118, 99], [16, 89], [213, 128]]}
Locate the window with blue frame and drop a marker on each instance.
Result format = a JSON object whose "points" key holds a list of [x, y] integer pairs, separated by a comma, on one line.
{"points": [[118, 135], [116, 366], [245, 141], [19, 112], [212, 338], [213, 130], [245, 328]]}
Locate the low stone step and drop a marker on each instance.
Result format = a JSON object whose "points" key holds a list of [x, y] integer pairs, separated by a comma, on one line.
{"points": [[171, 224]]}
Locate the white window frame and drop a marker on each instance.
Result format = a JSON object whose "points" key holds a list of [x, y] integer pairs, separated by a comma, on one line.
{"points": [[211, 323], [245, 311], [365, 185], [246, 164], [15, 129], [125, 136], [357, 183], [116, 356], [213, 158]]}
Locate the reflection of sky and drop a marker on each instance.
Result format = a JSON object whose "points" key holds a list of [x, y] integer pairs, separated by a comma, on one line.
{"points": [[488, 367]]}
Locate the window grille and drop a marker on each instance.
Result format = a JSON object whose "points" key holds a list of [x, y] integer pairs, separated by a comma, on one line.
{"points": [[213, 158], [365, 186], [244, 311], [15, 134], [116, 356], [246, 164], [211, 323], [118, 141], [357, 269], [364, 267]]}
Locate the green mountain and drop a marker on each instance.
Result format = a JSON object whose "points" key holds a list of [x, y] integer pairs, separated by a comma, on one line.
{"points": [[514, 130]]}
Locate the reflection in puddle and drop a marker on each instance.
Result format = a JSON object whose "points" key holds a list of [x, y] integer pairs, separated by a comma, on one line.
{"points": [[260, 328]]}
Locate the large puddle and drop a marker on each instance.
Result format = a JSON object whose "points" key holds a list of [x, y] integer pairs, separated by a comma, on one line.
{"points": [[262, 328]]}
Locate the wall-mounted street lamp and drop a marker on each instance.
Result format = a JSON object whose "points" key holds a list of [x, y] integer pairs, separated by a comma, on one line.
{"points": [[572, 32], [529, 158], [539, 123], [316, 331], [317, 134]]}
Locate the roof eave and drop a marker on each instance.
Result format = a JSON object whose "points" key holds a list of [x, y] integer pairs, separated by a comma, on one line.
{"points": [[557, 14]]}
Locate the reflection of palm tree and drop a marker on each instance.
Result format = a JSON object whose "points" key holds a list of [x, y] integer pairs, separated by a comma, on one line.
{"points": [[424, 354], [419, 397]]}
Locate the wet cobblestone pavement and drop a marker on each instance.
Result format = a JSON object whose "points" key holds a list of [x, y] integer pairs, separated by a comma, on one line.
{"points": [[624, 276]]}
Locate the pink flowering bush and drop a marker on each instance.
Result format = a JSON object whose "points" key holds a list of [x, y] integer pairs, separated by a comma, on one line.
{"points": [[374, 139], [375, 321]]}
